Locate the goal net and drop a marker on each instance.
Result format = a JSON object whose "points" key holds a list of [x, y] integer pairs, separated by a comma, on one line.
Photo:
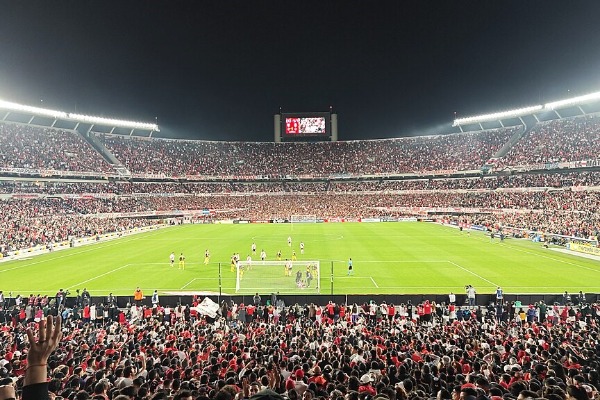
{"points": [[296, 219], [285, 277]]}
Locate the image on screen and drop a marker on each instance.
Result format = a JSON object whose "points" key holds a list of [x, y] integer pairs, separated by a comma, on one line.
{"points": [[312, 125], [305, 125]]}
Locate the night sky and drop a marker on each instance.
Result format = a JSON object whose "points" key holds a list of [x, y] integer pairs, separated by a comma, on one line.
{"points": [[221, 69]]}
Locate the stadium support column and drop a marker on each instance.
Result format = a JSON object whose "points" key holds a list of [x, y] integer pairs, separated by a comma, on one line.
{"points": [[334, 128], [277, 127]]}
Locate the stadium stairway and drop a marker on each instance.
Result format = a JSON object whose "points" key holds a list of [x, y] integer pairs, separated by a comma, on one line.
{"points": [[105, 153], [514, 139], [521, 133]]}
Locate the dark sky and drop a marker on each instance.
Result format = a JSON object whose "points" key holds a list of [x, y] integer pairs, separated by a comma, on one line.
{"points": [[221, 69]]}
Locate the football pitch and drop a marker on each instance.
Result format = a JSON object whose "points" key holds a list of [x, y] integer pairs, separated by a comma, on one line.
{"points": [[388, 258]]}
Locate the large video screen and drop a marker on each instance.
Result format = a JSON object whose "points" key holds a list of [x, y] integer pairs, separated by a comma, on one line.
{"points": [[306, 125], [316, 125]]}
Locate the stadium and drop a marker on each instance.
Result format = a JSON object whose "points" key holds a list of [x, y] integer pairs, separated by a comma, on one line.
{"points": [[533, 182], [135, 265]]}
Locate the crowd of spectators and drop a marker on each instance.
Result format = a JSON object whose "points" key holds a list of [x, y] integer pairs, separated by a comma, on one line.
{"points": [[21, 227], [488, 182], [574, 139], [25, 146], [334, 352], [28, 222], [416, 154]]}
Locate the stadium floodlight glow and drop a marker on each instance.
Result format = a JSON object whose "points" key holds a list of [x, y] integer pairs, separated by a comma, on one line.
{"points": [[7, 105], [572, 101], [497, 116], [113, 122]]}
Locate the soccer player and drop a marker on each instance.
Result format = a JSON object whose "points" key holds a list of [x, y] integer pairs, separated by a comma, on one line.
{"points": [[233, 263], [301, 247], [350, 267], [298, 277], [206, 257], [253, 248], [294, 258], [278, 255], [263, 255], [181, 261], [172, 258], [249, 262], [308, 278], [289, 241]]}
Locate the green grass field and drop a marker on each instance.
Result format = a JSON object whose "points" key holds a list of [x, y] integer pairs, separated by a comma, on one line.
{"points": [[399, 258]]}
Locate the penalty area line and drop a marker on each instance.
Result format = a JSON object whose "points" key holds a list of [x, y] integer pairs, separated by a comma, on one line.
{"points": [[188, 284], [100, 276], [472, 273], [374, 283]]}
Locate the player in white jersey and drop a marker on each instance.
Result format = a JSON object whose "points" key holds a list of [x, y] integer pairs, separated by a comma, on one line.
{"points": [[263, 255], [290, 241], [253, 249], [249, 262], [301, 247], [172, 258]]}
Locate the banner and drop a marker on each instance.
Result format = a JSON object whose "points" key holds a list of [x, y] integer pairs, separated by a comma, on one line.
{"points": [[584, 248], [207, 307]]}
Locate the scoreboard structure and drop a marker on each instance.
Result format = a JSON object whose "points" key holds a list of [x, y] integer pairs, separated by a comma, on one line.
{"points": [[305, 127]]}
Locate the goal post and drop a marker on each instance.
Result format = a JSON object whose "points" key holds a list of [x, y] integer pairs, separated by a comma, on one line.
{"points": [[285, 277], [302, 218]]}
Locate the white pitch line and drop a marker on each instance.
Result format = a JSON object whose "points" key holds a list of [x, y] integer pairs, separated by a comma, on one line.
{"points": [[374, 283], [187, 284], [472, 273], [101, 275], [542, 256], [92, 247], [552, 258]]}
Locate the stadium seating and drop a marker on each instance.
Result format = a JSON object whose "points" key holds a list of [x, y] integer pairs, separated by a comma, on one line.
{"points": [[573, 139], [34, 148]]}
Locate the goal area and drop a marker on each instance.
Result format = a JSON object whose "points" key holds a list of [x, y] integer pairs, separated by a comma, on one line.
{"points": [[285, 277]]}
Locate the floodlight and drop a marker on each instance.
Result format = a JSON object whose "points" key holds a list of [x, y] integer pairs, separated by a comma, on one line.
{"points": [[497, 116], [113, 122], [572, 101], [7, 105]]}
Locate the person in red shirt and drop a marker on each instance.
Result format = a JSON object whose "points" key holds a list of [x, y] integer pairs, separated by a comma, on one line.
{"points": [[366, 385], [86, 314]]}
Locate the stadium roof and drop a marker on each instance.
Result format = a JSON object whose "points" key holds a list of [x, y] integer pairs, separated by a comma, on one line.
{"points": [[580, 105], [14, 112]]}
